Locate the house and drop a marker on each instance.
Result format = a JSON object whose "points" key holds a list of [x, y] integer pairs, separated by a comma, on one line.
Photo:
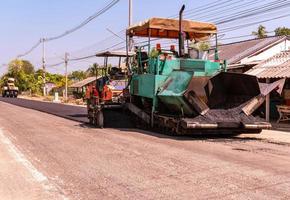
{"points": [[49, 86], [79, 88], [117, 86], [270, 70], [243, 55]]}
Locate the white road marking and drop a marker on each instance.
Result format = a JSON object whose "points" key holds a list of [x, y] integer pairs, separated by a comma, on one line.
{"points": [[37, 175]]}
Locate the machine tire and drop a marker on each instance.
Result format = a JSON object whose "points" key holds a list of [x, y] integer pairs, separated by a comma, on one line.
{"points": [[99, 119], [91, 121], [254, 131]]}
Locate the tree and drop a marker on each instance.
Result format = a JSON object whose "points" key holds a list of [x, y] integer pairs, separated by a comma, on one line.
{"points": [[201, 46], [95, 70], [15, 66], [282, 31], [77, 75], [23, 72], [261, 32]]}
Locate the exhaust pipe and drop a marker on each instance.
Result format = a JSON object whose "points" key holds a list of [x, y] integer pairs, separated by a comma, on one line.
{"points": [[181, 35]]}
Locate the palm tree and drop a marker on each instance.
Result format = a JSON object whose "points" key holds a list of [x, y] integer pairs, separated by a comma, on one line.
{"points": [[92, 70], [261, 33]]}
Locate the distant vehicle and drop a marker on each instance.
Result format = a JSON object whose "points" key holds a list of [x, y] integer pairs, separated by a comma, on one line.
{"points": [[9, 89]]}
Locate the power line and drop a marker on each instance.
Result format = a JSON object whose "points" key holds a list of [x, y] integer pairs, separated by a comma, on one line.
{"points": [[253, 23], [201, 8], [213, 9], [85, 22], [237, 16], [252, 12], [230, 7], [30, 50], [216, 3]]}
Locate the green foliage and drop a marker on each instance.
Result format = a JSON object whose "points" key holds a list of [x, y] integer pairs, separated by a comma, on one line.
{"points": [[27, 79], [282, 31], [22, 71], [201, 46], [154, 53], [261, 32], [77, 75], [96, 70]]}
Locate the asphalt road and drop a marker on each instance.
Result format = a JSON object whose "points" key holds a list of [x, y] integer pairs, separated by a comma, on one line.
{"points": [[63, 159], [113, 118]]}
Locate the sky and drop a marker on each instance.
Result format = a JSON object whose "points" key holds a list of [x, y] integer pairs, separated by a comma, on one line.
{"points": [[23, 23]]}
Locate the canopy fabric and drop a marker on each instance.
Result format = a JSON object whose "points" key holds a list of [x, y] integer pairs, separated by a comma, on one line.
{"points": [[169, 28], [115, 54]]}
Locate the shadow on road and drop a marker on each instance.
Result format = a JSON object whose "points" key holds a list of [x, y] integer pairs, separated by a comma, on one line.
{"points": [[155, 133], [116, 118]]}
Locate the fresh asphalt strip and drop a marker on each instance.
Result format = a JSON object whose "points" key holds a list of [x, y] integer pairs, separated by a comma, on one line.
{"points": [[113, 118], [75, 113]]}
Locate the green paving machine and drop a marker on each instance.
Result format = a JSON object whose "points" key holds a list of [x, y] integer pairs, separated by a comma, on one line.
{"points": [[182, 94]]}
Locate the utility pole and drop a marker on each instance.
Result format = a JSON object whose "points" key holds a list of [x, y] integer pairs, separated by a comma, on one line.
{"points": [[66, 85], [130, 22], [130, 12], [268, 103], [43, 66]]}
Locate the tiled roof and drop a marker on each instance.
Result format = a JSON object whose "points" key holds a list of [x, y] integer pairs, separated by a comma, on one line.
{"points": [[277, 66], [235, 52]]}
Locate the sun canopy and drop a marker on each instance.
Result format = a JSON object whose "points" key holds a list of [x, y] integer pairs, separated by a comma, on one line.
{"points": [[169, 28], [115, 54]]}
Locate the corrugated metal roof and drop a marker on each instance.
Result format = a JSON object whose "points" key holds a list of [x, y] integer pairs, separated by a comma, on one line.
{"points": [[235, 52], [277, 66], [83, 82]]}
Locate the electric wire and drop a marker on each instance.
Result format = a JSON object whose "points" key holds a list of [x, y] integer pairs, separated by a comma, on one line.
{"points": [[227, 8], [201, 8], [214, 10], [85, 22], [252, 23], [251, 12], [30, 50], [240, 15]]}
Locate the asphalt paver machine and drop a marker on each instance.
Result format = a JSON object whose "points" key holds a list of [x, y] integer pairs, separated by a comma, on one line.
{"points": [[182, 94]]}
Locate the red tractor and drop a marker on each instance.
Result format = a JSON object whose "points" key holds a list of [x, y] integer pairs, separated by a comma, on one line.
{"points": [[110, 88]]}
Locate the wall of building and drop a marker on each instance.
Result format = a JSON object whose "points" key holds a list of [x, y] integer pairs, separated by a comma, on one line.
{"points": [[282, 46]]}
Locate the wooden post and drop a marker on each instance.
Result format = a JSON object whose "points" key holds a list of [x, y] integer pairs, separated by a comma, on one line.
{"points": [[268, 104]]}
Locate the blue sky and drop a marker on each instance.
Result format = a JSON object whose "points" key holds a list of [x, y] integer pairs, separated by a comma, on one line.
{"points": [[23, 22]]}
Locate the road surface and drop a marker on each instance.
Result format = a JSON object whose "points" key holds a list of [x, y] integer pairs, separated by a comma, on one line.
{"points": [[113, 118], [47, 157]]}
